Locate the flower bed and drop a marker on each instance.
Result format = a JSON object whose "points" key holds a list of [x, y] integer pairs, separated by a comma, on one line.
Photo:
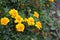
{"points": [[26, 20]]}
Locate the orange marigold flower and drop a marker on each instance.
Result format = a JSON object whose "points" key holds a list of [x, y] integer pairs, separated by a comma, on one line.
{"points": [[36, 14], [47, 5], [30, 21], [13, 13], [51, 0], [4, 21], [20, 27], [18, 19], [38, 25]]}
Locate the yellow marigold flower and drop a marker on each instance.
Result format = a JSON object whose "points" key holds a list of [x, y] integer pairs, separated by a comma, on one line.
{"points": [[30, 21], [38, 25], [4, 21], [36, 14], [18, 19], [20, 27], [13, 13], [51, 0], [25, 19]]}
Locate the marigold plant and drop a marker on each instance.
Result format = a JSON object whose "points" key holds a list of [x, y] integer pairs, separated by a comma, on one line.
{"points": [[28, 20]]}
